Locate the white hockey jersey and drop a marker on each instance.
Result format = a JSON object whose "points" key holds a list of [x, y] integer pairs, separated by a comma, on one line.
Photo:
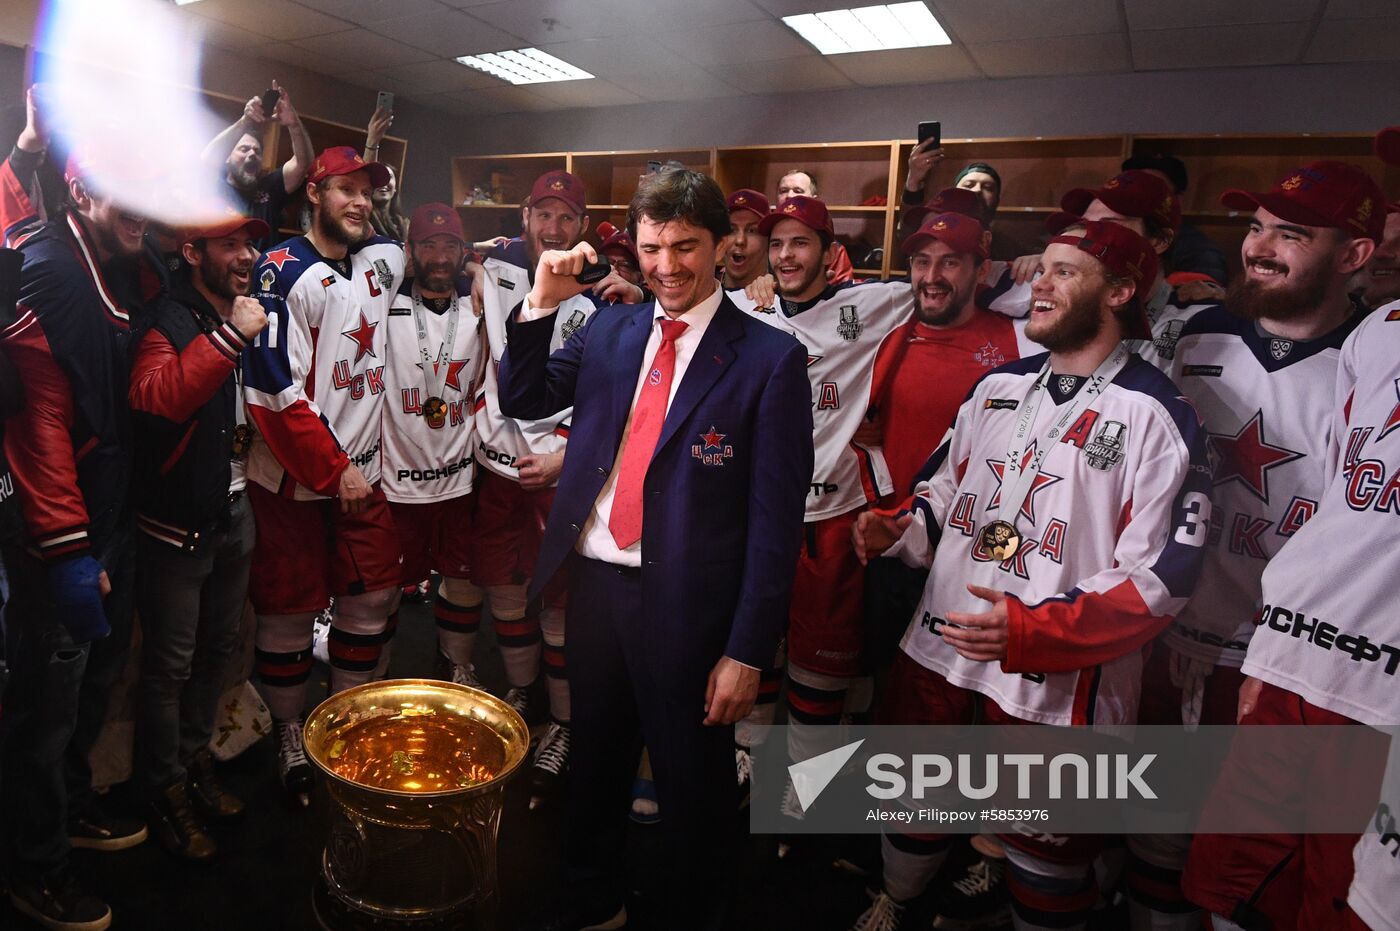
{"points": [[842, 330], [1329, 629], [425, 459], [1112, 529], [500, 440], [1268, 405], [314, 378], [1375, 884]]}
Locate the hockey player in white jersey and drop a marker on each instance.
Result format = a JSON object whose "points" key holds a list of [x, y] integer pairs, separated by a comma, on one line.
{"points": [[1326, 648], [1064, 520], [1254, 369], [314, 386], [842, 327], [1145, 204], [519, 466], [434, 365]]}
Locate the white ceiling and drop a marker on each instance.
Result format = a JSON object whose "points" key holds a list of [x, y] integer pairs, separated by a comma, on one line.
{"points": [[652, 50]]}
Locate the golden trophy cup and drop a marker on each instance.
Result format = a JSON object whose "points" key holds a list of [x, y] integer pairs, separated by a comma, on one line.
{"points": [[415, 773]]}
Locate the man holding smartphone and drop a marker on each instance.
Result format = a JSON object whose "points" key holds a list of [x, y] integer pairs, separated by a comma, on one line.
{"points": [[262, 196]]}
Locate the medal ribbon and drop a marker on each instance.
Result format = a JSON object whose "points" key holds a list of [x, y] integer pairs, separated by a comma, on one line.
{"points": [[434, 371], [1016, 482]]}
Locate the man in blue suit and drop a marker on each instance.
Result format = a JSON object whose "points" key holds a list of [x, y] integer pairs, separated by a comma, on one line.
{"points": [[679, 519]]}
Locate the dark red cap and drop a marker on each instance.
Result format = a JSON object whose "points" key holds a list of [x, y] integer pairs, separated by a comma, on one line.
{"points": [[562, 185], [344, 160], [1326, 193], [1123, 253], [435, 220], [1388, 145], [619, 241], [961, 233], [949, 200], [809, 211], [231, 222], [750, 200], [1133, 194]]}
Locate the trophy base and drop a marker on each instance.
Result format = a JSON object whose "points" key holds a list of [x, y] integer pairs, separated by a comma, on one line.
{"points": [[333, 914]]}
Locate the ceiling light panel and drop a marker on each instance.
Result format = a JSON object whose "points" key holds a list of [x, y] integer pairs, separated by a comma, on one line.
{"points": [[870, 28], [525, 66]]}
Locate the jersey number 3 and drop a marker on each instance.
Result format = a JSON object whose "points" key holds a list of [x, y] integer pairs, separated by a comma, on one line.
{"points": [[1197, 508]]}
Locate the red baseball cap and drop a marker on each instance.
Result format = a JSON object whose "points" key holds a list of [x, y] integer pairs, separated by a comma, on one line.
{"points": [[949, 200], [809, 211], [619, 241], [562, 185], [1326, 193], [961, 233], [750, 200], [344, 160], [435, 219], [226, 225], [1388, 145], [1124, 253], [1133, 193]]}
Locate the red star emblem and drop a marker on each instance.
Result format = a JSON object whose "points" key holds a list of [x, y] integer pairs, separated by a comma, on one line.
{"points": [[454, 372], [813, 360], [279, 257], [363, 335], [1247, 457], [1042, 480], [714, 439], [1393, 420]]}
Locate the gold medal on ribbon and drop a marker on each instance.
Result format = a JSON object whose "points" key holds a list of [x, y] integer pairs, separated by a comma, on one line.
{"points": [[435, 412], [1001, 540], [242, 440]]}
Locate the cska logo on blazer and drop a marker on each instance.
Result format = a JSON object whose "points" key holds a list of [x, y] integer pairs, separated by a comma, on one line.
{"points": [[712, 450]]}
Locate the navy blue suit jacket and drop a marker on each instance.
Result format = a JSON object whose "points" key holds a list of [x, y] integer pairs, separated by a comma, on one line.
{"points": [[725, 490]]}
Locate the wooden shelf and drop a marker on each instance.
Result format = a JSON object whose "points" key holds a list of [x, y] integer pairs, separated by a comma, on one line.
{"points": [[1036, 171]]}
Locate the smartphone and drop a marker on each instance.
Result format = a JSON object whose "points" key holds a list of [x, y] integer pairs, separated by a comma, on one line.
{"points": [[269, 101], [385, 101], [594, 272], [931, 130]]}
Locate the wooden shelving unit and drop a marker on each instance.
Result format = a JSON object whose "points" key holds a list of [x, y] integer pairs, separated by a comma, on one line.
{"points": [[1035, 173]]}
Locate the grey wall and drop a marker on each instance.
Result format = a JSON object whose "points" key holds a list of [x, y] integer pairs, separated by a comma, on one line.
{"points": [[1302, 98]]}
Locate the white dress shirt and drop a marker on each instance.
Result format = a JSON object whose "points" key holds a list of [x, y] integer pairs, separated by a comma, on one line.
{"points": [[596, 541]]}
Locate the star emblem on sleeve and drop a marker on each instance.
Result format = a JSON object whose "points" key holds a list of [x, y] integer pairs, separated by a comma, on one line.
{"points": [[363, 336], [1247, 457], [279, 257]]}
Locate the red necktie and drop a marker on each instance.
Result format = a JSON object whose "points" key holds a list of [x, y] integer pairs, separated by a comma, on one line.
{"points": [[625, 522]]}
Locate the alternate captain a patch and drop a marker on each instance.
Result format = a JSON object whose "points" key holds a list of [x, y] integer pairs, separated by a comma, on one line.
{"points": [[712, 450]]}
